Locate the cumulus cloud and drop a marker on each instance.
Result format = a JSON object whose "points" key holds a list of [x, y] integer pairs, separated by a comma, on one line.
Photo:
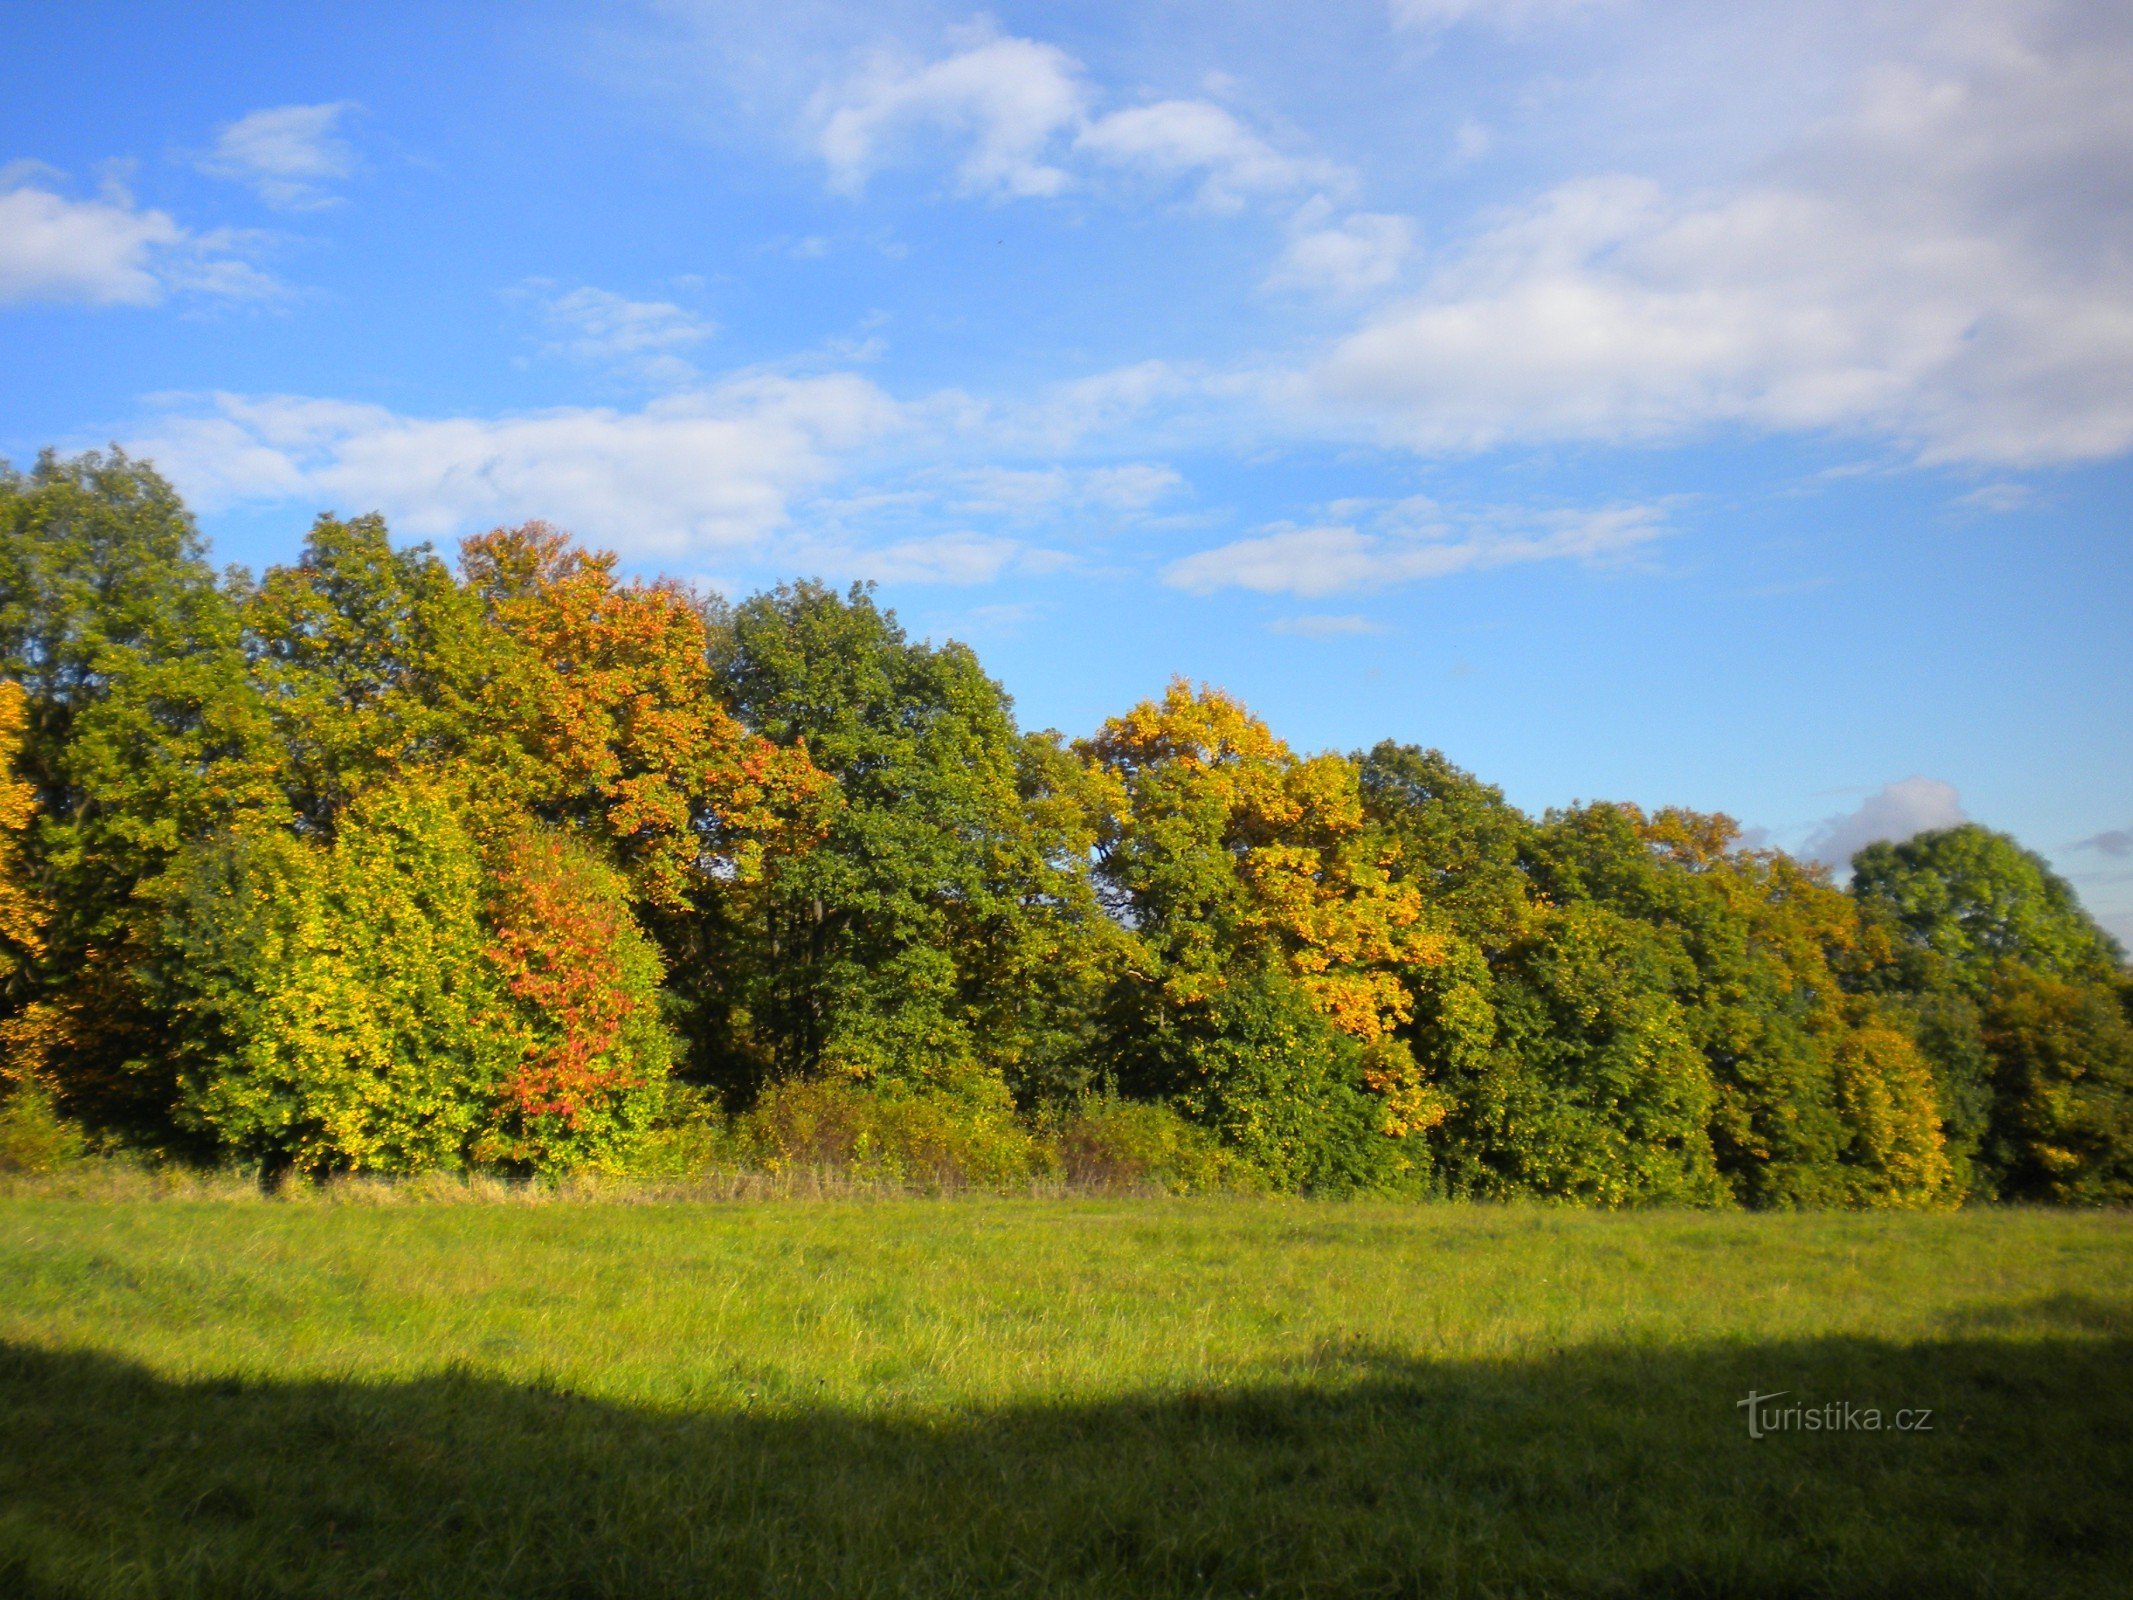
{"points": [[53, 248], [1949, 263], [1411, 542], [1893, 812], [1198, 139], [1364, 251], [1005, 100], [109, 251], [290, 155], [1018, 110], [712, 471]]}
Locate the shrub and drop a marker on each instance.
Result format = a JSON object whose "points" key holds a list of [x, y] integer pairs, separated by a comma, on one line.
{"points": [[33, 1136], [1108, 1143], [689, 1137], [929, 1140], [338, 1010]]}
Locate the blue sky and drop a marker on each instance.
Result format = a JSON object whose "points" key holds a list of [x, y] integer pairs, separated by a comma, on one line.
{"points": [[1725, 406]]}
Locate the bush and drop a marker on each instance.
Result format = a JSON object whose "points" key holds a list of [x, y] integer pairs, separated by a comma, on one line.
{"points": [[33, 1136], [1127, 1144], [933, 1141], [689, 1138], [336, 1009]]}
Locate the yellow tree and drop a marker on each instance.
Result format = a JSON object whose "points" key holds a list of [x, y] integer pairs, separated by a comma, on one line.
{"points": [[1223, 847]]}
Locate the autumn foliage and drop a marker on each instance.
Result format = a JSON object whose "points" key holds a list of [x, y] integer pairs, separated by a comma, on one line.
{"points": [[384, 863]]}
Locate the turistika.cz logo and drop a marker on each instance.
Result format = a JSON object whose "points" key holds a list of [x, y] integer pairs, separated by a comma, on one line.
{"points": [[1831, 1416]]}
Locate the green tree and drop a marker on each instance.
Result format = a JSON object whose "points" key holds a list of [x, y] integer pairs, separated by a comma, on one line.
{"points": [[139, 730], [942, 933], [2062, 1057], [1258, 1064], [2010, 988], [376, 662], [1763, 942], [1974, 898], [1575, 1072]]}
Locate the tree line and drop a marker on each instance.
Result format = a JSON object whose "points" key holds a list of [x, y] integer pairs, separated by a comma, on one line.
{"points": [[376, 863]]}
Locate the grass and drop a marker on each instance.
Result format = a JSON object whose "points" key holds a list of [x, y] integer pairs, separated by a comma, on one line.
{"points": [[236, 1397]]}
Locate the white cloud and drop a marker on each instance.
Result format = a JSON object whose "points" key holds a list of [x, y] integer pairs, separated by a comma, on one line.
{"points": [[109, 251], [1893, 812], [1018, 110], [1412, 541], [53, 248], [1471, 142], [1195, 138], [1138, 399], [644, 336], [1046, 491], [1007, 100], [960, 558], [2114, 842], [289, 154], [1998, 497], [1950, 264], [716, 470], [1364, 252], [1324, 627]]}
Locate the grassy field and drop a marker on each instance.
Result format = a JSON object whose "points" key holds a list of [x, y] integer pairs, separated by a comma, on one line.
{"points": [[1104, 1397]]}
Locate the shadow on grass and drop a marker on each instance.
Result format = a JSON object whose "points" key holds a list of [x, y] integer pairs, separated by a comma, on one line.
{"points": [[1590, 1472]]}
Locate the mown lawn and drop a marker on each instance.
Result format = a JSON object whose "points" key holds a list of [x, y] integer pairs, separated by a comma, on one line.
{"points": [[1053, 1397]]}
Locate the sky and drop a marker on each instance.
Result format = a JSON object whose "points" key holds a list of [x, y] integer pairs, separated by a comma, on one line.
{"points": [[1723, 406]]}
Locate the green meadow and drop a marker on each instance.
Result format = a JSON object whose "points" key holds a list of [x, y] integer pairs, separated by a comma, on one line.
{"points": [[247, 1397]]}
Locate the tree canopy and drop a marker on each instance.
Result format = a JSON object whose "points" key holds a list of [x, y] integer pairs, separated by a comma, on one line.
{"points": [[381, 862]]}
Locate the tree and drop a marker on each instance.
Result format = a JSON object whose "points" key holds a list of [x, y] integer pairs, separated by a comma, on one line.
{"points": [[1974, 899], [1763, 942], [22, 913], [2063, 1079], [2010, 988], [593, 1051], [942, 929], [625, 732], [1580, 1078], [335, 1005], [1228, 855], [1460, 845], [137, 727], [375, 663]]}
